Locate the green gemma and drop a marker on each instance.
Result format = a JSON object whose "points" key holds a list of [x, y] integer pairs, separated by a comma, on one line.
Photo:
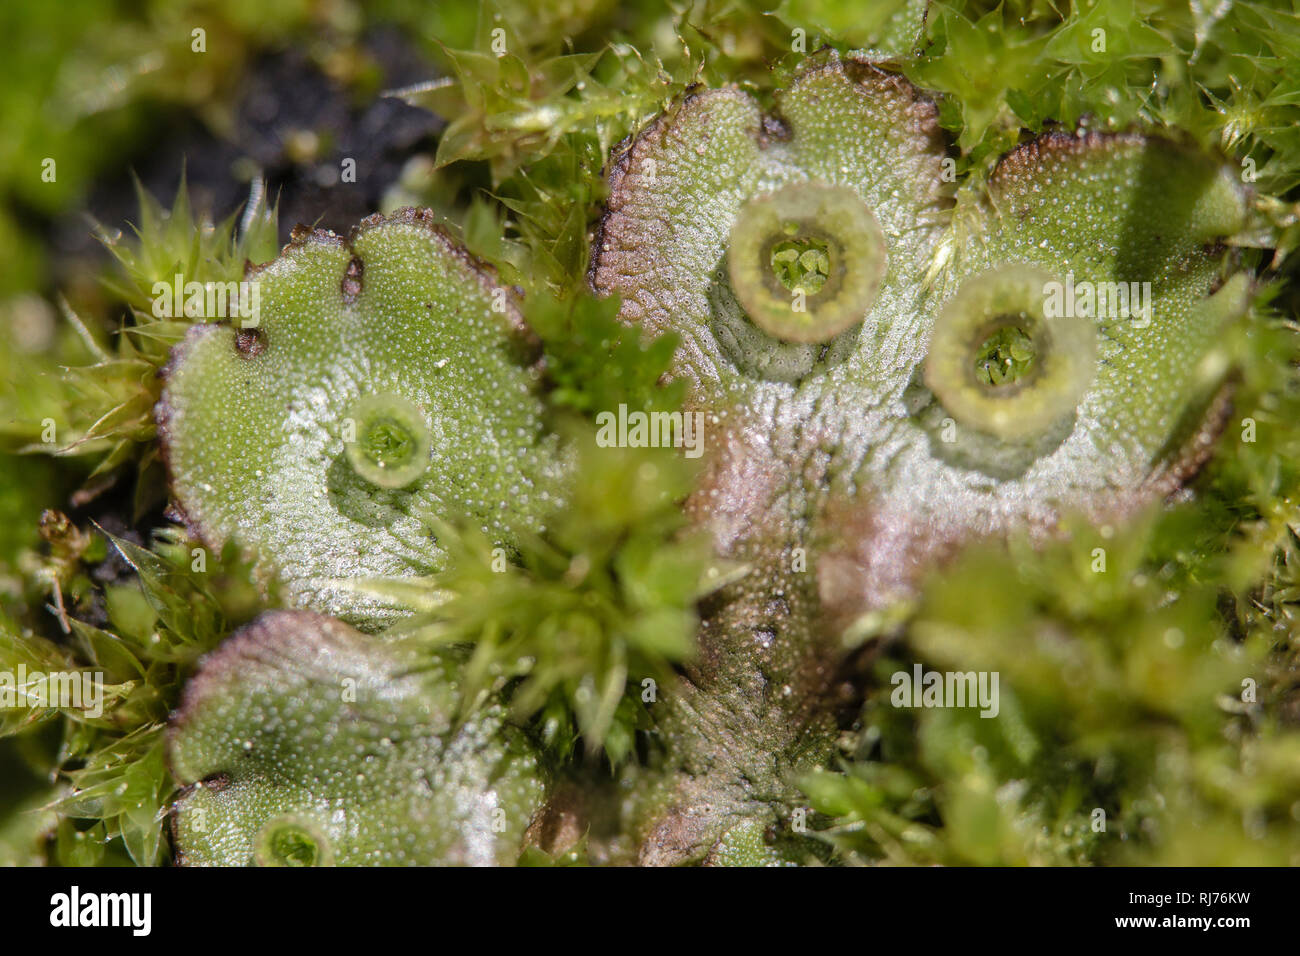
{"points": [[1000, 363], [387, 440], [806, 261]]}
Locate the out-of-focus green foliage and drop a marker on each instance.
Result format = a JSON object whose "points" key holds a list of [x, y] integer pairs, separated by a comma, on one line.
{"points": [[92, 79], [179, 604]]}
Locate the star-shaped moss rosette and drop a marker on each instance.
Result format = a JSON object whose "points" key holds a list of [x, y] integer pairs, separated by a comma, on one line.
{"points": [[387, 378], [888, 373], [303, 742]]}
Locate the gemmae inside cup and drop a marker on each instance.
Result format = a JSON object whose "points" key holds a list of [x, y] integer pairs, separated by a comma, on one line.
{"points": [[1000, 363], [806, 261], [391, 440]]}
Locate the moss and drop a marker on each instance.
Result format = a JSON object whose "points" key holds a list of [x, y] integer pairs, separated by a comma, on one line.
{"points": [[1144, 644]]}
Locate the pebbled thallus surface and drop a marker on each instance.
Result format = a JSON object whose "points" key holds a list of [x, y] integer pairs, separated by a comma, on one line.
{"points": [[303, 741], [253, 421], [832, 469]]}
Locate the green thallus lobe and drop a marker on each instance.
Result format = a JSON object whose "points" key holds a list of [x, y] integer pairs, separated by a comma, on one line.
{"points": [[806, 261], [288, 454], [1000, 364], [336, 748]]}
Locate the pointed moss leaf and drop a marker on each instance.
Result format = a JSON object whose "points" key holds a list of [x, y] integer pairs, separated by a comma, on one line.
{"points": [[384, 380], [302, 742]]}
